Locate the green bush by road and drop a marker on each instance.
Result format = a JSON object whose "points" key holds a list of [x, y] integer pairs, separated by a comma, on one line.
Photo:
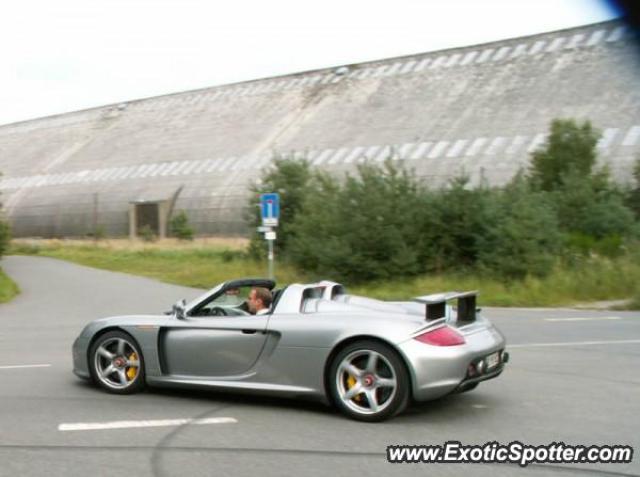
{"points": [[561, 230], [8, 289], [384, 223]]}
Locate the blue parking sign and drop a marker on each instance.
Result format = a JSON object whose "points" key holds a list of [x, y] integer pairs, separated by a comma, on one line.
{"points": [[270, 209]]}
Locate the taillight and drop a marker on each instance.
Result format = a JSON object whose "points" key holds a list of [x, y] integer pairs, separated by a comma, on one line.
{"points": [[444, 336]]}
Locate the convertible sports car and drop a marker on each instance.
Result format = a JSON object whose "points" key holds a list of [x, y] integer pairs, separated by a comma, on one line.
{"points": [[366, 357]]}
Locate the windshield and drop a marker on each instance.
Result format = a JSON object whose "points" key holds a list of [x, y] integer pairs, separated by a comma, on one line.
{"points": [[202, 297]]}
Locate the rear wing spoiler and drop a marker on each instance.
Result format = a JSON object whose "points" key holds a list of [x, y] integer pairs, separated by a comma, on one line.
{"points": [[437, 305]]}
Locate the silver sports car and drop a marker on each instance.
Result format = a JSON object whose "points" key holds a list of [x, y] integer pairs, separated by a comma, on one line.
{"points": [[367, 357]]}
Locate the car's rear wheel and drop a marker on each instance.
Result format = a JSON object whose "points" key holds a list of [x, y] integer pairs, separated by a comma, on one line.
{"points": [[116, 363], [368, 381]]}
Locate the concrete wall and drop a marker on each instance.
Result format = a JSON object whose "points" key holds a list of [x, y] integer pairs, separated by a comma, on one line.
{"points": [[481, 108]]}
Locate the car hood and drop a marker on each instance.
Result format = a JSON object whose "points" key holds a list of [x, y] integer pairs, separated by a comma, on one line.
{"points": [[134, 319], [124, 321]]}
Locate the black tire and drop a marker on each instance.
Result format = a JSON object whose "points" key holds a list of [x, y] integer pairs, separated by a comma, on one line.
{"points": [[367, 393], [111, 362]]}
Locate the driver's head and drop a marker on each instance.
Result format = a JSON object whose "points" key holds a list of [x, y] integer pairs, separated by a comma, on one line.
{"points": [[259, 299]]}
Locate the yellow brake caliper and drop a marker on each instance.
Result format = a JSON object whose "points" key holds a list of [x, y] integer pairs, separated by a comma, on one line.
{"points": [[351, 382], [132, 372]]}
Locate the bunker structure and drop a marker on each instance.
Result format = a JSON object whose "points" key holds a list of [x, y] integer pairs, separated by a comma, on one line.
{"points": [[482, 109]]}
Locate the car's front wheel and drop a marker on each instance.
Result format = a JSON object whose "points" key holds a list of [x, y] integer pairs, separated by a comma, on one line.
{"points": [[116, 363], [368, 381]]}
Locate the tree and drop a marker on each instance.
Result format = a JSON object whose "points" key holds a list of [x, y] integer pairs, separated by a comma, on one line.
{"points": [[454, 219], [524, 237], [570, 149], [382, 223], [633, 196], [363, 228], [589, 206], [592, 206], [180, 228], [290, 178]]}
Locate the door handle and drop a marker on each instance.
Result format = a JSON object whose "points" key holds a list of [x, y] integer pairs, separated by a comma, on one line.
{"points": [[249, 332]]}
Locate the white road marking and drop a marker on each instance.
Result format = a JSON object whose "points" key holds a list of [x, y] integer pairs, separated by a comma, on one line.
{"points": [[479, 406], [93, 426], [575, 343], [591, 318], [20, 366]]}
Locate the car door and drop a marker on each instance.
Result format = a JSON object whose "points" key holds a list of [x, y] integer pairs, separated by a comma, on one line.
{"points": [[213, 346]]}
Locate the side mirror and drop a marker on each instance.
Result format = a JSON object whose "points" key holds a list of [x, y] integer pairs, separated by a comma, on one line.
{"points": [[179, 308]]}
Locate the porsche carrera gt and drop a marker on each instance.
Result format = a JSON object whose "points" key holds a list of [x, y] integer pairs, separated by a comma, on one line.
{"points": [[369, 358]]}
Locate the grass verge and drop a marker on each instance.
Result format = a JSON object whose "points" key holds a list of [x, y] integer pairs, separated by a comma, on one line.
{"points": [[195, 265], [599, 280], [206, 264], [8, 288]]}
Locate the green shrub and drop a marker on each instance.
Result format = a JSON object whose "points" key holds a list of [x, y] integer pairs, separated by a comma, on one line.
{"points": [[524, 237], [229, 255], [5, 233], [179, 226], [100, 232], [147, 234], [591, 209], [8, 288], [610, 246], [5, 236], [569, 149], [453, 222], [381, 223], [592, 206], [364, 228], [633, 194]]}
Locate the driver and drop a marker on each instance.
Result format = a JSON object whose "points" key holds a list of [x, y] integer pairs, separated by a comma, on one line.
{"points": [[259, 301]]}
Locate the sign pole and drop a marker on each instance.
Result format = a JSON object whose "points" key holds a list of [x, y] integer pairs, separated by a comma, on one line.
{"points": [[271, 261], [270, 211]]}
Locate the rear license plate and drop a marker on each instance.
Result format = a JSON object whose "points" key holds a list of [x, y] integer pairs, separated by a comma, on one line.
{"points": [[493, 360]]}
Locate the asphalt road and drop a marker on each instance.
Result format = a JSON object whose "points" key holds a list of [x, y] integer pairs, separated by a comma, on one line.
{"points": [[573, 377]]}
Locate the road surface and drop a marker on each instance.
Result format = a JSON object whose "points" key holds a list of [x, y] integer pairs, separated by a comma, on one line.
{"points": [[573, 377]]}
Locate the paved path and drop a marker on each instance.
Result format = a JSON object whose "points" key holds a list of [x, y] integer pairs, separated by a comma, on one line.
{"points": [[573, 378]]}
